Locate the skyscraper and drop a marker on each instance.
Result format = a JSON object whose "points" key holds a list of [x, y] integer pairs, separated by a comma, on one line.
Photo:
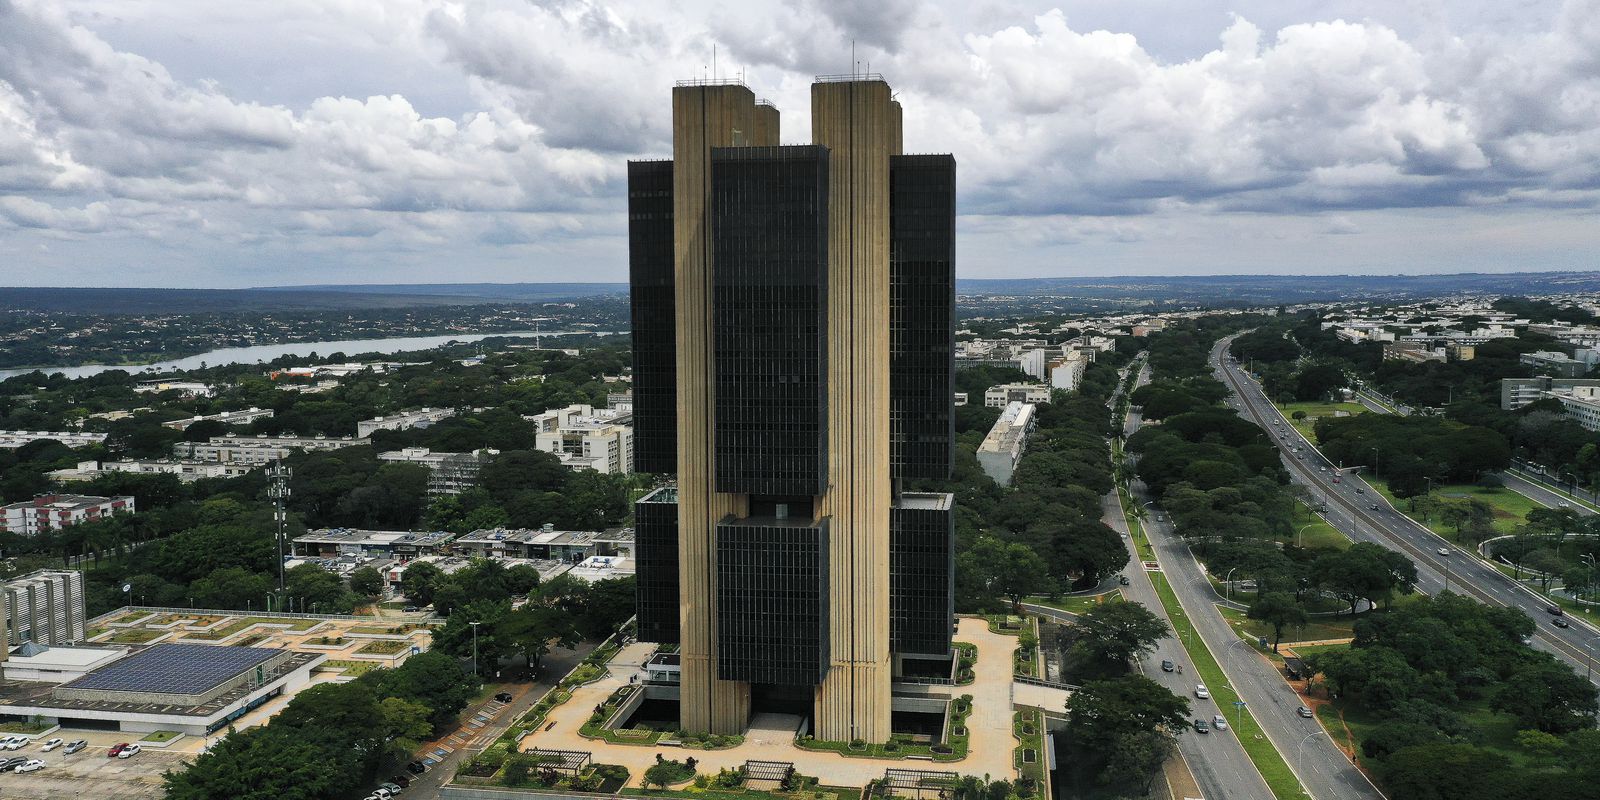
{"points": [[792, 320]]}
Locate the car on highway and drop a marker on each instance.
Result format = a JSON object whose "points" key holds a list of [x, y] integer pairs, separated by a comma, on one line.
{"points": [[1443, 551], [1304, 712], [1201, 691], [1219, 723], [1200, 726], [1561, 622], [51, 744], [1167, 665], [74, 746], [1336, 479], [1360, 490], [1554, 610]]}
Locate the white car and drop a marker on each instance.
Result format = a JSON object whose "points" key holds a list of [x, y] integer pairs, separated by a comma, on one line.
{"points": [[129, 752], [30, 766], [1219, 723], [13, 744], [1443, 551], [1201, 691], [52, 744]]}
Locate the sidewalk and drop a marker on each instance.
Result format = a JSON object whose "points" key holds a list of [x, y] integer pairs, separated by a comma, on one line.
{"points": [[989, 752]]}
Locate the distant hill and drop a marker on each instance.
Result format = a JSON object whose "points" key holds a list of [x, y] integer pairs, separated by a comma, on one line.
{"points": [[1236, 290], [1191, 290]]}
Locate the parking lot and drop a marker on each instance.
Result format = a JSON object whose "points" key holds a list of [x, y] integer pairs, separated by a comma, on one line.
{"points": [[89, 773]]}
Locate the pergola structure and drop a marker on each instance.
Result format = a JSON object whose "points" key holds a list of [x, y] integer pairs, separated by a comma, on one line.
{"points": [[771, 771], [914, 782], [571, 762]]}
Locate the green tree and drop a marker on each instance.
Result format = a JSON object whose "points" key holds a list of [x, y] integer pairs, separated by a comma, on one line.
{"points": [[1278, 609], [1547, 695], [366, 582], [1116, 632], [1103, 710], [1012, 570], [534, 628], [419, 581]]}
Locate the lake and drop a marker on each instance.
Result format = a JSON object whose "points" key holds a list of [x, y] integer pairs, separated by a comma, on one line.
{"points": [[262, 353]]}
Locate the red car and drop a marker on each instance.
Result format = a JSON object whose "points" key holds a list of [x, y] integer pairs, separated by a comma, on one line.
{"points": [[116, 750]]}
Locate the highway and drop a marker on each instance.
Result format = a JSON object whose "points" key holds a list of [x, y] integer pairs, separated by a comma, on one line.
{"points": [[1354, 507], [1218, 762]]}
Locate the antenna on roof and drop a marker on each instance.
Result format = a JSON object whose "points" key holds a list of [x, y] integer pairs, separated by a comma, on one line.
{"points": [[714, 62]]}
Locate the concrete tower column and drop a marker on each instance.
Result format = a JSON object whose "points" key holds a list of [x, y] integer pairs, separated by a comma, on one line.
{"points": [[859, 122]]}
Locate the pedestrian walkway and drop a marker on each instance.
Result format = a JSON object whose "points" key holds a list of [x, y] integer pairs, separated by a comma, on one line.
{"points": [[990, 746]]}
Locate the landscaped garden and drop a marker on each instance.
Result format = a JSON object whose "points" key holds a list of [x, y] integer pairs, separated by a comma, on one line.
{"points": [[953, 748], [136, 635], [384, 647]]}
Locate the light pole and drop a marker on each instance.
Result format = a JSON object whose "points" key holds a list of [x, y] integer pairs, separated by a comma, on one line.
{"points": [[1227, 584], [1299, 750], [474, 646], [1299, 535], [1374, 462]]}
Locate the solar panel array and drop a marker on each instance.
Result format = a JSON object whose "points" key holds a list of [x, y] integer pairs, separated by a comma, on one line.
{"points": [[174, 668]]}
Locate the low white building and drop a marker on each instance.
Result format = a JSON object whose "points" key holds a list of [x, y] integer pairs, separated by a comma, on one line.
{"points": [[1007, 440], [14, 439], [243, 417], [187, 471], [1007, 393], [52, 512], [44, 607], [307, 443], [584, 437], [448, 473], [404, 420], [187, 388]]}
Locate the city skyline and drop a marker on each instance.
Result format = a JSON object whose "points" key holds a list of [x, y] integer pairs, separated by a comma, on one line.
{"points": [[181, 144]]}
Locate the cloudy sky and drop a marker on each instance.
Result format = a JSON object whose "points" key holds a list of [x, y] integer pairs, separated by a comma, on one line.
{"points": [[205, 143]]}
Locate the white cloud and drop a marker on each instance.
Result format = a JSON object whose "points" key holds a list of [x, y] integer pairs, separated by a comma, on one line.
{"points": [[1068, 135]]}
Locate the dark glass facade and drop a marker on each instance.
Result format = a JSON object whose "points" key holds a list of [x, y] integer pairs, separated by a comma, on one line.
{"points": [[772, 600], [769, 317], [922, 283], [655, 551], [650, 269], [921, 575]]}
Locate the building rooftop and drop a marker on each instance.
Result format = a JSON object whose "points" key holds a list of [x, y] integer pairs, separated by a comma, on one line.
{"points": [[175, 668], [368, 538]]}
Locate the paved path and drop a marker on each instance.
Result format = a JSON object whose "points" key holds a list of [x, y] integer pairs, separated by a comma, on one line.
{"points": [[989, 752]]}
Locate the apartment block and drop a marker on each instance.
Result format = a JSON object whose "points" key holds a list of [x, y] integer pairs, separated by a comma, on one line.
{"points": [[52, 512], [584, 437]]}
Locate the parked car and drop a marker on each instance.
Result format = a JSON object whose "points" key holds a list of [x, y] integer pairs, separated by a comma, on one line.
{"points": [[1167, 665], [411, 609], [129, 752], [74, 746], [1219, 723], [116, 749], [417, 767], [8, 764], [1304, 712], [503, 697], [51, 744], [381, 794], [391, 788], [31, 765], [13, 743], [400, 779], [1200, 726], [1201, 691]]}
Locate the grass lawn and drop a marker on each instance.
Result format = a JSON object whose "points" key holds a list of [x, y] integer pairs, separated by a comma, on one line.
{"points": [[1316, 629], [1077, 604], [354, 669], [1313, 649], [384, 647], [1269, 762], [1313, 533], [160, 736], [137, 636], [1510, 509], [1317, 410], [1491, 730]]}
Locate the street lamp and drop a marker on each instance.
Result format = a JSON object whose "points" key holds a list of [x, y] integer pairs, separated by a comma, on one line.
{"points": [[1227, 584], [1299, 535], [474, 646], [1374, 462], [1299, 750]]}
